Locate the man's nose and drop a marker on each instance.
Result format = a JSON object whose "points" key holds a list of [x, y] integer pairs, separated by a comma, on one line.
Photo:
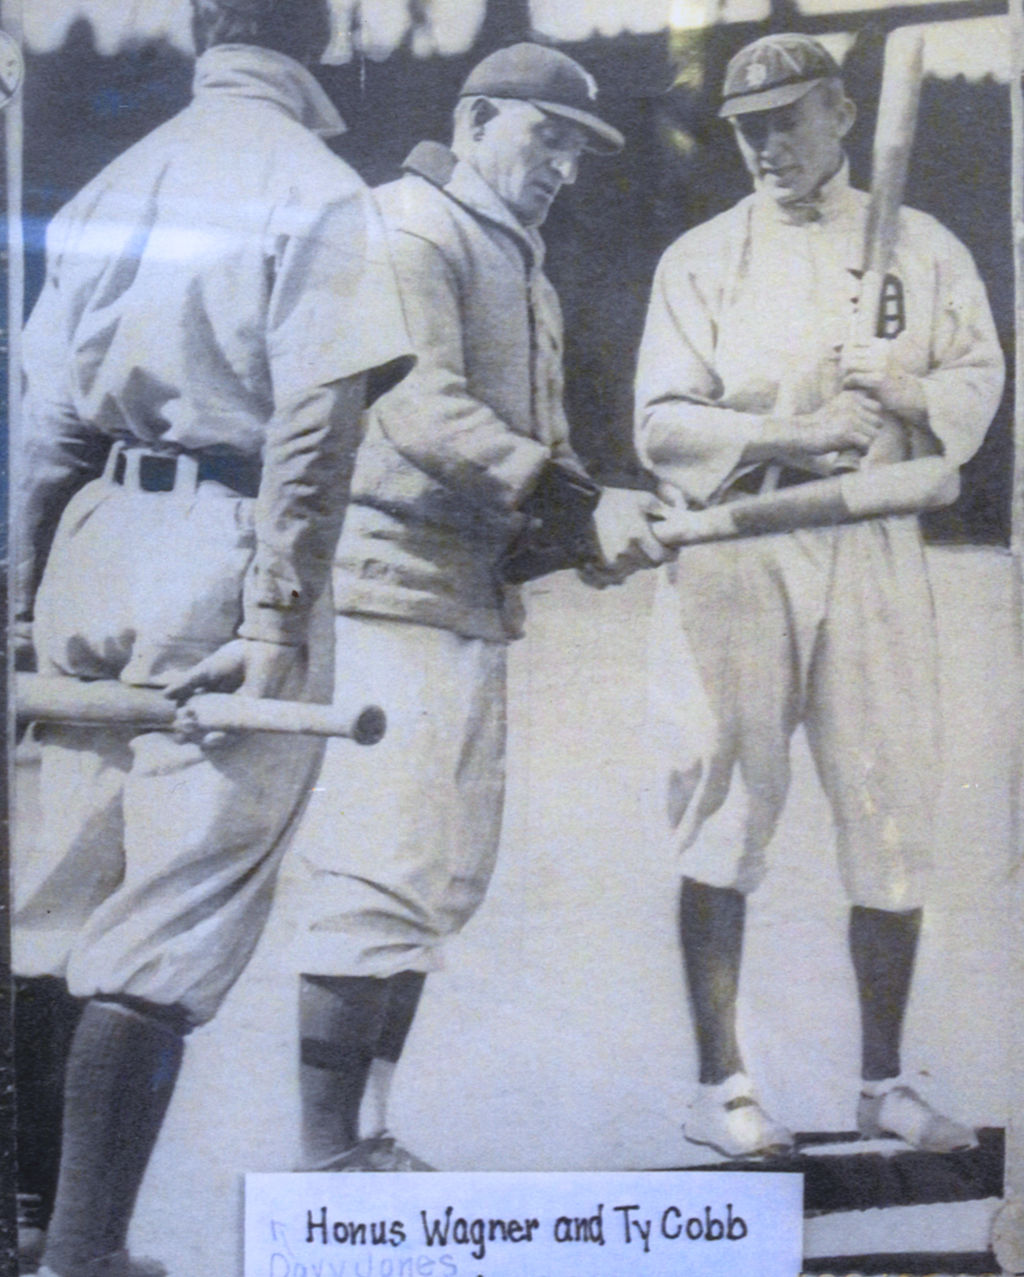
{"points": [[567, 167]]}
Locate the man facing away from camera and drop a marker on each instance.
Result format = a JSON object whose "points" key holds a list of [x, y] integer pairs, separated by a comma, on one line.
{"points": [[466, 480], [215, 304], [746, 382]]}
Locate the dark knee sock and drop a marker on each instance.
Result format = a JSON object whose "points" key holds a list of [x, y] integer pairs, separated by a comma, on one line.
{"points": [[404, 992], [711, 930], [340, 1021], [883, 946], [120, 1076], [45, 1018]]}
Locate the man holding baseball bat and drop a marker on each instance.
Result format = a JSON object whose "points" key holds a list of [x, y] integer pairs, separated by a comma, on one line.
{"points": [[748, 382], [216, 303]]}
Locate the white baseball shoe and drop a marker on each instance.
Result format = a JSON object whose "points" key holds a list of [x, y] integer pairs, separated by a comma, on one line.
{"points": [[899, 1111], [728, 1118]]}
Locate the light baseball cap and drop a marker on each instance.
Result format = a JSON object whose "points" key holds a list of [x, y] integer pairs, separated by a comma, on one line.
{"points": [[549, 80], [774, 71]]}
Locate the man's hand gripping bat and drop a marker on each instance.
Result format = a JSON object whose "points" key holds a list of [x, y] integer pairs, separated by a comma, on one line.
{"points": [[895, 486]]}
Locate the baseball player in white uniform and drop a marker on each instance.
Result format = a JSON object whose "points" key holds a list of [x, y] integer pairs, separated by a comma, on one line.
{"points": [[459, 460], [197, 365], [746, 381]]}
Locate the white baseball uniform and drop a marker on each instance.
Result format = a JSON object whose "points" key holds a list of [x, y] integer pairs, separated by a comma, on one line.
{"points": [[205, 296], [833, 627]]}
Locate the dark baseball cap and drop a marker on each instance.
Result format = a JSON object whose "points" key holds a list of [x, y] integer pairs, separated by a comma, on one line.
{"points": [[774, 71], [549, 80]]}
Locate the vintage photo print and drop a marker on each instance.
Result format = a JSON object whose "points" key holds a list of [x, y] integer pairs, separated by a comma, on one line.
{"points": [[514, 617]]}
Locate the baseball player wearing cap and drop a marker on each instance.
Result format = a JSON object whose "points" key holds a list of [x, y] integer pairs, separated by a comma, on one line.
{"points": [[744, 380], [471, 447], [215, 302]]}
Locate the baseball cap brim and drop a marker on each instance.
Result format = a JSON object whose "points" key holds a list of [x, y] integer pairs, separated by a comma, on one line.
{"points": [[767, 99], [601, 138]]}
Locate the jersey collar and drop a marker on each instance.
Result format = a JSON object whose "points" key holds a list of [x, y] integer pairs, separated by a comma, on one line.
{"points": [[462, 183], [263, 75]]}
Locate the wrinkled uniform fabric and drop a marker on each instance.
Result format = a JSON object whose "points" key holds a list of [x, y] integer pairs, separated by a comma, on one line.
{"points": [[200, 291], [448, 455], [833, 628]]}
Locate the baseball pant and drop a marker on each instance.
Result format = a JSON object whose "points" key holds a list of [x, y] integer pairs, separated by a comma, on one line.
{"points": [[397, 844], [832, 628], [152, 868]]}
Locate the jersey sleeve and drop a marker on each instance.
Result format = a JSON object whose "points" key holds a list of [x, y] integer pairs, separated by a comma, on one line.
{"points": [[683, 434], [335, 308], [964, 383], [433, 417], [56, 452], [334, 319]]}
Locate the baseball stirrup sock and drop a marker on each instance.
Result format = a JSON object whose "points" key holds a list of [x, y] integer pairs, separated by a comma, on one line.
{"points": [[404, 992], [45, 1018], [120, 1076], [883, 946], [711, 923], [340, 1020]]}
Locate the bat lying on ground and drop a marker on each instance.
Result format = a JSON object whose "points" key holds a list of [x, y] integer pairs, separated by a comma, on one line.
{"points": [[41, 698], [905, 487]]}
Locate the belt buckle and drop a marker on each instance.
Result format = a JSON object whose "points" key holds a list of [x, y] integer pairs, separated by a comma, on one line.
{"points": [[153, 471]]}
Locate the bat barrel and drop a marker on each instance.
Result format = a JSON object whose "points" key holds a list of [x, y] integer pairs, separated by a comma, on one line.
{"points": [[903, 487]]}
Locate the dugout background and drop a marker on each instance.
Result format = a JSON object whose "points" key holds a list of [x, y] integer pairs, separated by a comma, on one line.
{"points": [[606, 233]]}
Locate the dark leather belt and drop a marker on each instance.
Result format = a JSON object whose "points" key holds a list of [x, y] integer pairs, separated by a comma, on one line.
{"points": [[749, 484], [158, 470], [233, 470]]}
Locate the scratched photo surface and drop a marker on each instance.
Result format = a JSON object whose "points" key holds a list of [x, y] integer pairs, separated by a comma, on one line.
{"points": [[869, 679]]}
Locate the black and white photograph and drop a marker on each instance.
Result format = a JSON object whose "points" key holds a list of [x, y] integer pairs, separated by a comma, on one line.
{"points": [[515, 516]]}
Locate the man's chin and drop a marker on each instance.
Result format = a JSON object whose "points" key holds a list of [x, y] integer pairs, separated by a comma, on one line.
{"points": [[782, 191], [534, 213]]}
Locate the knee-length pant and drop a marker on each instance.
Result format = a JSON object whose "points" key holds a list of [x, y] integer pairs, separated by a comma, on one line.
{"points": [[396, 847], [152, 867], [831, 628]]}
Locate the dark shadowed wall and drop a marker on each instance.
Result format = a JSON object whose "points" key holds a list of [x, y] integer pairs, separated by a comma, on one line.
{"points": [[606, 233]]}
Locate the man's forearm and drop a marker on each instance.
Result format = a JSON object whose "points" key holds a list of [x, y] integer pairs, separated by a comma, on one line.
{"points": [[307, 469]]}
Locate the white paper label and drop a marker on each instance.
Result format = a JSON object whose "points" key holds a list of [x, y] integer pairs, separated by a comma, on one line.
{"points": [[651, 1224]]}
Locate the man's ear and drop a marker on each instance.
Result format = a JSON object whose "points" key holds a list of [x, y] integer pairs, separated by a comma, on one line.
{"points": [[846, 114], [480, 112]]}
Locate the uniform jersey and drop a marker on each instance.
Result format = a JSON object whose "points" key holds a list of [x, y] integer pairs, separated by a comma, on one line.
{"points": [[196, 290], [206, 294], [832, 627]]}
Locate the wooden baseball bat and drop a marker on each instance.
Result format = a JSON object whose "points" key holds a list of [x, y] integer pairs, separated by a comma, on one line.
{"points": [[895, 125], [905, 487], [41, 698]]}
